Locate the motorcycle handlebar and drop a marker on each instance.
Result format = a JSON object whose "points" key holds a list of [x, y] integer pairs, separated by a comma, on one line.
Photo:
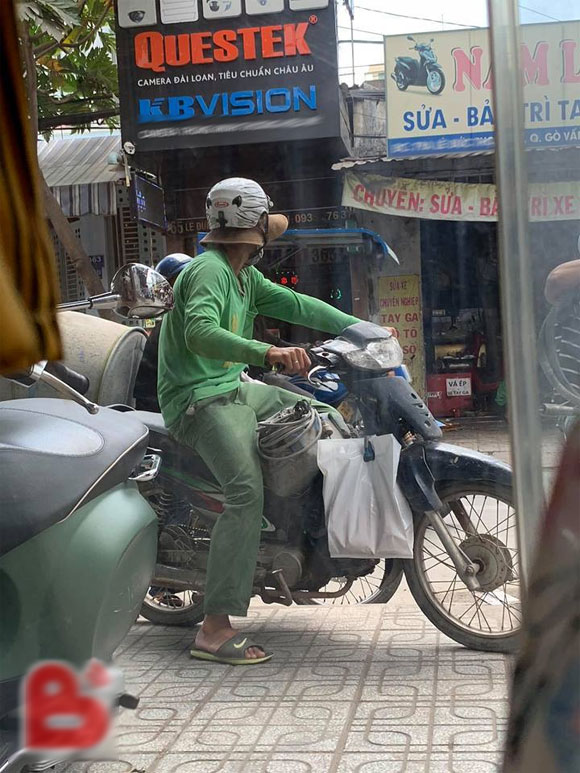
{"points": [[551, 409], [75, 380]]}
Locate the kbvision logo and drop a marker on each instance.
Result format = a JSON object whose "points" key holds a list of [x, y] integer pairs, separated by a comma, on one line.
{"points": [[237, 103]]}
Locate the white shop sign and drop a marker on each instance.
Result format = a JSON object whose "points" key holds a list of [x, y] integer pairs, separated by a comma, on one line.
{"points": [[458, 387]]}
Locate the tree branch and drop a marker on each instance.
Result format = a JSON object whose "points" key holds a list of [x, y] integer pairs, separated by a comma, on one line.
{"points": [[76, 119], [74, 100], [75, 251], [30, 81], [50, 48]]}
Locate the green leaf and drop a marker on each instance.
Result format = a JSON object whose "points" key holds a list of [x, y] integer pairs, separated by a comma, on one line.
{"points": [[52, 17], [77, 80]]}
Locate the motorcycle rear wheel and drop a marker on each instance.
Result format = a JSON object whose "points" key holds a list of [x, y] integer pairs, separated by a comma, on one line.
{"points": [[401, 81], [365, 590], [435, 586], [161, 614]]}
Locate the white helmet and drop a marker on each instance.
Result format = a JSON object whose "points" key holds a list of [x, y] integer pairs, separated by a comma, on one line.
{"points": [[236, 203]]}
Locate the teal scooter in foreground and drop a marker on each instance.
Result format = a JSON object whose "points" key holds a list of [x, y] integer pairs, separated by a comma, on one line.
{"points": [[77, 540]]}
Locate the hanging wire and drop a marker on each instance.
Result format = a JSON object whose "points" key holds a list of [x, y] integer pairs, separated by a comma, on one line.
{"points": [[416, 18]]}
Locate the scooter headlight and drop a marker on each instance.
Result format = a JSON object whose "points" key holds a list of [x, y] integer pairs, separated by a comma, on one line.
{"points": [[384, 354]]}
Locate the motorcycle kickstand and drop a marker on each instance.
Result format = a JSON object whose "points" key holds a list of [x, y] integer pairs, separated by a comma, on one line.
{"points": [[466, 569], [280, 580]]}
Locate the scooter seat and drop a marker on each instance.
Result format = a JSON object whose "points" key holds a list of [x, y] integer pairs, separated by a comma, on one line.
{"points": [[55, 457], [408, 60]]}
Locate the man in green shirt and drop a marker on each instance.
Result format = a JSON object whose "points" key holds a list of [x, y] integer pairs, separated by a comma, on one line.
{"points": [[206, 342]]}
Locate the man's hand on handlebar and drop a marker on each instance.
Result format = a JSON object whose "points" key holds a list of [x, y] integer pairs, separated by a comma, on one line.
{"points": [[292, 359]]}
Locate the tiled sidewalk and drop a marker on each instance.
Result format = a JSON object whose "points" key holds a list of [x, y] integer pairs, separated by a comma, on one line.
{"points": [[371, 689], [491, 436]]}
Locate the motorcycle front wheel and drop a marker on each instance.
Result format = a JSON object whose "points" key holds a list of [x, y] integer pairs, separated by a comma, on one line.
{"points": [[435, 81], [488, 619]]}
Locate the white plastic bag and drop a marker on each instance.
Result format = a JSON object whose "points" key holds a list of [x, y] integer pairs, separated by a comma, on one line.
{"points": [[367, 515]]}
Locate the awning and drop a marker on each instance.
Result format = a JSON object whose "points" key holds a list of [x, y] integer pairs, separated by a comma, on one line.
{"points": [[327, 237], [79, 172], [338, 237], [353, 161], [349, 163]]}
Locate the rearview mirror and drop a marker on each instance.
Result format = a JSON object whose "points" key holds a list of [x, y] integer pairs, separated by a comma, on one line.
{"points": [[143, 292], [410, 37]]}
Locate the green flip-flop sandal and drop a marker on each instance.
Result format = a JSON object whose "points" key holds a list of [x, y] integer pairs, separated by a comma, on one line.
{"points": [[232, 652]]}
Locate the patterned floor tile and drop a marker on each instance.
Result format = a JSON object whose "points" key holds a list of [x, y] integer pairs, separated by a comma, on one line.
{"points": [[377, 763], [127, 763], [373, 689]]}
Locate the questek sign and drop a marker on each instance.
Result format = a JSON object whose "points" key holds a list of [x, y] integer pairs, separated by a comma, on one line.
{"points": [[201, 73]]}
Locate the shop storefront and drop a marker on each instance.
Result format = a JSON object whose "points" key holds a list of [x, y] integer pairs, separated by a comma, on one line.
{"points": [[454, 220], [434, 186]]}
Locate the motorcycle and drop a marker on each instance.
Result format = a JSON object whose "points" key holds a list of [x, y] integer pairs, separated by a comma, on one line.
{"points": [[77, 539], [464, 572], [423, 72]]}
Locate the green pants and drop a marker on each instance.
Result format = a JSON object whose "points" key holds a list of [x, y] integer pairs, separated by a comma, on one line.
{"points": [[222, 431]]}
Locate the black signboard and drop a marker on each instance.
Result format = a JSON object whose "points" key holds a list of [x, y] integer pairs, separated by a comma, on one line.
{"points": [[148, 203], [201, 73]]}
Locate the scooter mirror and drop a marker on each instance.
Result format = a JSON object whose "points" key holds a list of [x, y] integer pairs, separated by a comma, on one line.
{"points": [[410, 37], [431, 40], [143, 292]]}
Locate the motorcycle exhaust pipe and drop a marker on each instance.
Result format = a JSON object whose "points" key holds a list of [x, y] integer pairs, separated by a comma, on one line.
{"points": [[178, 579]]}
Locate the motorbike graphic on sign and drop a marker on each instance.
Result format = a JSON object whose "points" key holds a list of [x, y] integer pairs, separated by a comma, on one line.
{"points": [[425, 72]]}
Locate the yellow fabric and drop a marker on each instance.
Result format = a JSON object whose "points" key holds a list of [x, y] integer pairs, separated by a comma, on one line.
{"points": [[28, 327]]}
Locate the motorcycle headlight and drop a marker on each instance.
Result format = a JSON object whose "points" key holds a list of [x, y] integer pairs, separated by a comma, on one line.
{"points": [[384, 354]]}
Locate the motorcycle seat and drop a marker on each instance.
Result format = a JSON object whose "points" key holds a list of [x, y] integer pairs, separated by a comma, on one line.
{"points": [[56, 457], [153, 421]]}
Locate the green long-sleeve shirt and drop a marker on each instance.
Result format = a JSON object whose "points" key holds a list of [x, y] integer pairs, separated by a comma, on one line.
{"points": [[206, 340]]}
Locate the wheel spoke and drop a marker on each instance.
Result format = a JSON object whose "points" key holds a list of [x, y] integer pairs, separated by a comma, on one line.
{"points": [[490, 611], [363, 591]]}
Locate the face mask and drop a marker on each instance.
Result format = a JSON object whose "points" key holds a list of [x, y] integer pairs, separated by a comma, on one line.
{"points": [[256, 257]]}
